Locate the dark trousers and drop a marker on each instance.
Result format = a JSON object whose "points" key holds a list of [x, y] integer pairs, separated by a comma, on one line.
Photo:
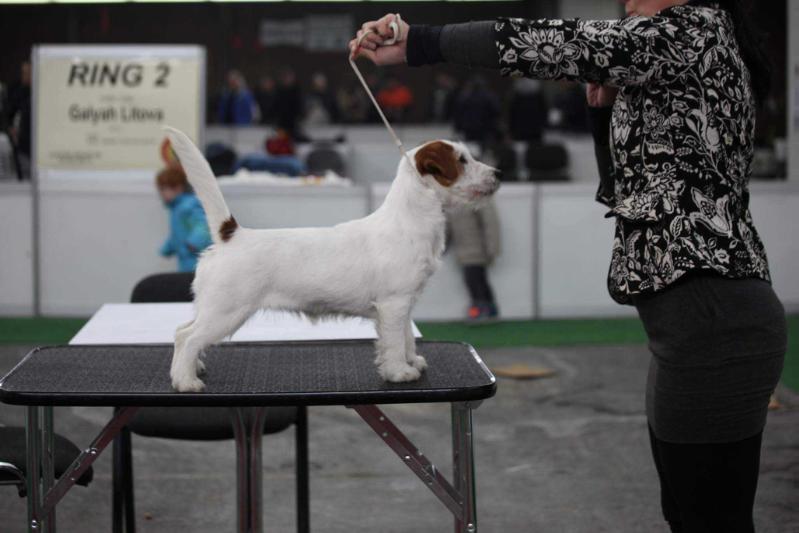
{"points": [[708, 488], [477, 283]]}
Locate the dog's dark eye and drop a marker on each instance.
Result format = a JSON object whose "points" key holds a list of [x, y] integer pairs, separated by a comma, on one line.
{"points": [[462, 159]]}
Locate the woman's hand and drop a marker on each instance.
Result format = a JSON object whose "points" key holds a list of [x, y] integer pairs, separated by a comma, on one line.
{"points": [[372, 45], [600, 95]]}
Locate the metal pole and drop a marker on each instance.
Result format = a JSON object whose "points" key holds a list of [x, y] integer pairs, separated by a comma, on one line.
{"points": [[465, 454], [33, 457], [256, 432], [48, 466], [242, 474], [456, 464], [301, 458]]}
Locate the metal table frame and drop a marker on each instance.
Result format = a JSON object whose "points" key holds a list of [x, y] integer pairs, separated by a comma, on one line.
{"points": [[24, 386], [44, 493]]}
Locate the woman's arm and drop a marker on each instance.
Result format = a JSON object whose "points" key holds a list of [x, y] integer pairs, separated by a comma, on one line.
{"points": [[632, 51]]}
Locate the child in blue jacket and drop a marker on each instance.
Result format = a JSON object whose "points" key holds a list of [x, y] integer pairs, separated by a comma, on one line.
{"points": [[188, 229]]}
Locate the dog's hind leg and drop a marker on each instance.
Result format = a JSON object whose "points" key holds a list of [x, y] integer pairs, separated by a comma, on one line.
{"points": [[393, 317], [210, 326], [411, 357]]}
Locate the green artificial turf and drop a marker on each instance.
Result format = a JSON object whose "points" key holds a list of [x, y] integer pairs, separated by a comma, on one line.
{"points": [[39, 330], [492, 335], [537, 332]]}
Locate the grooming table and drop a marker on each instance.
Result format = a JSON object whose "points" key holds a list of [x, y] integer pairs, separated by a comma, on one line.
{"points": [[246, 378]]}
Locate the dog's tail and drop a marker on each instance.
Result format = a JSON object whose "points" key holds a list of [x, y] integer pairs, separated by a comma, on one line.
{"points": [[202, 179]]}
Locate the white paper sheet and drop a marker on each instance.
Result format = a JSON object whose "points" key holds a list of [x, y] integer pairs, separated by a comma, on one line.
{"points": [[156, 324]]}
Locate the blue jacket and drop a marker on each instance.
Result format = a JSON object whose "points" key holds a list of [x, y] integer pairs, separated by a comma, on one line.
{"points": [[235, 108], [188, 231]]}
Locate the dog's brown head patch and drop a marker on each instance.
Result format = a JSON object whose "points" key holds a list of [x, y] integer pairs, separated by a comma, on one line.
{"points": [[228, 228], [440, 160]]}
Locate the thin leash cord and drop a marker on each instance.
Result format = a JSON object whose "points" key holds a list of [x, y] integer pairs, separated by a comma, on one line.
{"points": [[397, 141]]}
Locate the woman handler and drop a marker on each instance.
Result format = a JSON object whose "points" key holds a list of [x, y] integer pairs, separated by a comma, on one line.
{"points": [[683, 79]]}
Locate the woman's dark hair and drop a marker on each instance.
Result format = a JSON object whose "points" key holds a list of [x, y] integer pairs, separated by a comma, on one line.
{"points": [[751, 43]]}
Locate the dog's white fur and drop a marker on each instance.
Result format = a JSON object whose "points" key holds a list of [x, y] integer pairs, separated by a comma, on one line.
{"points": [[374, 267]]}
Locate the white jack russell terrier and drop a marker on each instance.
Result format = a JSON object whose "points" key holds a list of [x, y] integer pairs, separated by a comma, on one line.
{"points": [[374, 267]]}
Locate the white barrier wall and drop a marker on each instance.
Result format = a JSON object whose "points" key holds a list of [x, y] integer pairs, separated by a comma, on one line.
{"points": [[16, 249], [775, 210], [574, 242], [98, 239]]}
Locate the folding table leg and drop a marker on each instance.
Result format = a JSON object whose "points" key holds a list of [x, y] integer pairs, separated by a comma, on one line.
{"points": [[256, 469], [463, 466], [248, 428], [48, 466], [301, 465], [242, 472], [33, 458]]}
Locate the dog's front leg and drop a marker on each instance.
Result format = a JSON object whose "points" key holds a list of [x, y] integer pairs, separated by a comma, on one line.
{"points": [[415, 360], [393, 317]]}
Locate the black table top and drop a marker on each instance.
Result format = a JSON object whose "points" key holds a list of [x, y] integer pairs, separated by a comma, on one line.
{"points": [[264, 374]]}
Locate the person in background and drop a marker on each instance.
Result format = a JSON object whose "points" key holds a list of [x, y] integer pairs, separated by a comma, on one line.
{"points": [[188, 229], [236, 104], [442, 101], [477, 112], [475, 240], [528, 110], [322, 105], [353, 104], [396, 99], [18, 111], [289, 109], [265, 98], [280, 143]]}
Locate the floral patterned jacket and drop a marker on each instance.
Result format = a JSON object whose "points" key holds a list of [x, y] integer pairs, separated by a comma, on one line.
{"points": [[681, 137]]}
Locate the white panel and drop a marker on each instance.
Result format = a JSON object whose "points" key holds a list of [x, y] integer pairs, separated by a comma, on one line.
{"points": [[288, 207], [511, 276], [590, 9], [775, 209], [16, 249], [575, 247]]}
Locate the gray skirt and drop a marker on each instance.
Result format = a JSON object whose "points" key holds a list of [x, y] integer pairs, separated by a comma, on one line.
{"points": [[718, 347]]}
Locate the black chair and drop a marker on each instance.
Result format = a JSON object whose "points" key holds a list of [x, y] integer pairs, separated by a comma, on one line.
{"points": [[13, 466], [194, 423], [324, 157], [547, 162]]}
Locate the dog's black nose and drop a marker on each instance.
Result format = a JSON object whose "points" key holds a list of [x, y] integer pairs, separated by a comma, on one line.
{"points": [[498, 174]]}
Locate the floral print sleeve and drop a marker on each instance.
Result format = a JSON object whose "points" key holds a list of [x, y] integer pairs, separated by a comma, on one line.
{"points": [[632, 51]]}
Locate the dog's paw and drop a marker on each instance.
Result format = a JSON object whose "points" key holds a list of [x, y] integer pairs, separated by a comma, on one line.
{"points": [[396, 372], [188, 384], [418, 362]]}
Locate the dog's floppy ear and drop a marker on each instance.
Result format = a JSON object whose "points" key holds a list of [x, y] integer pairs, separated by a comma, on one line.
{"points": [[439, 160]]}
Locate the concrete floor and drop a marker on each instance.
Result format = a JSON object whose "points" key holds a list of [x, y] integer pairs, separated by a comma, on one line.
{"points": [[564, 454]]}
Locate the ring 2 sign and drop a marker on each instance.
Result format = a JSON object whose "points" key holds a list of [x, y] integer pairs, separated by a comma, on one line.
{"points": [[99, 109]]}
